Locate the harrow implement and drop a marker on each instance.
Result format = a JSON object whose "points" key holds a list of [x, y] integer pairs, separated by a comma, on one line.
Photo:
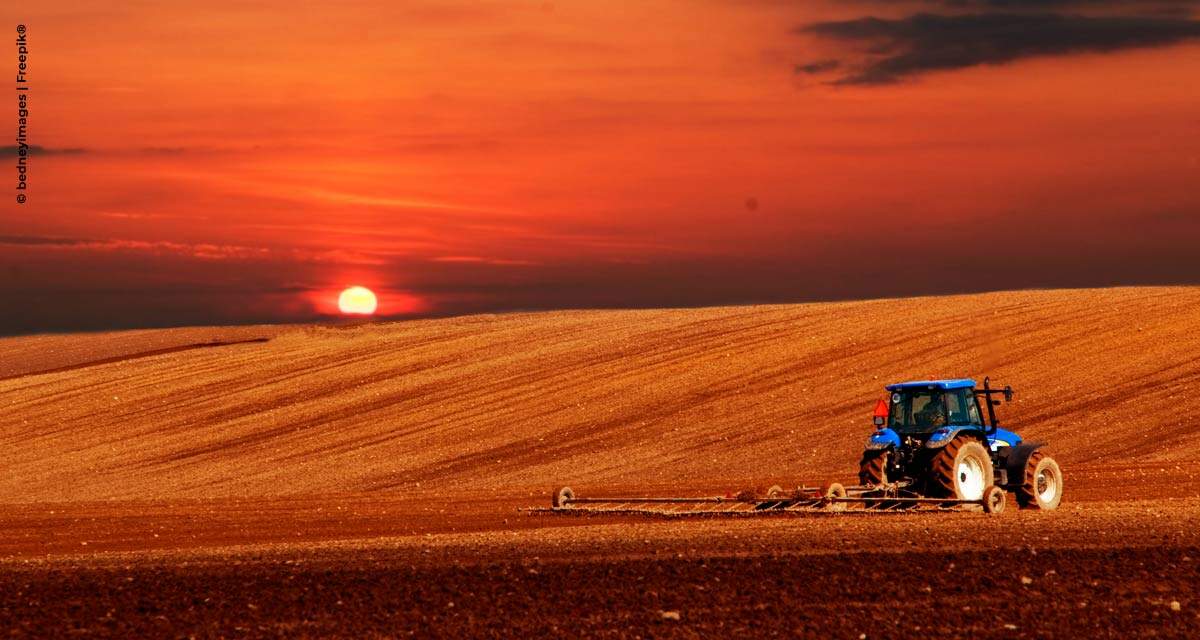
{"points": [[831, 498]]}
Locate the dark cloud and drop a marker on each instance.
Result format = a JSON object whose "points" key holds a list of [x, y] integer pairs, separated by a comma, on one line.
{"points": [[1059, 4], [40, 150], [895, 49], [31, 241], [820, 66], [1143, 7], [164, 150]]}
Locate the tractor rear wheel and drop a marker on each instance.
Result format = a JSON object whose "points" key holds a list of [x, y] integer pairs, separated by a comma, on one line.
{"points": [[962, 469], [1041, 488], [872, 469]]}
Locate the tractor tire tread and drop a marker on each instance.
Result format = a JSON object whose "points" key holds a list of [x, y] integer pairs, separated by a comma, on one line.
{"points": [[942, 466], [1027, 492], [1027, 497], [872, 469]]}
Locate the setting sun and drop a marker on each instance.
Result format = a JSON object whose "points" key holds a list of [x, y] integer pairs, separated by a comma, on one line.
{"points": [[358, 301]]}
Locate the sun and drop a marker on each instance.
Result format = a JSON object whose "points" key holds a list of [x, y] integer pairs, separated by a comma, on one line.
{"points": [[357, 301]]}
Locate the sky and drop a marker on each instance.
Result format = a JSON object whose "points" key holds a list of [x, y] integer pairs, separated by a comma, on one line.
{"points": [[198, 163]]}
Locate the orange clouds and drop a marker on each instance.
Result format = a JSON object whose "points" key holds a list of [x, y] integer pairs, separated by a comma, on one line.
{"points": [[475, 156]]}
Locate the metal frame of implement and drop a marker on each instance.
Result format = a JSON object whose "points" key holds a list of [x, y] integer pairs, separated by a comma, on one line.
{"points": [[832, 498]]}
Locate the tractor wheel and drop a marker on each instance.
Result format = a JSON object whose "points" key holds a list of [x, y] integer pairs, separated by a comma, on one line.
{"points": [[872, 469], [962, 469], [1043, 483], [563, 497]]}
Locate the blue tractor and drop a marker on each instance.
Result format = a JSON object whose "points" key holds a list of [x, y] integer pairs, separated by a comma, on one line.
{"points": [[941, 439], [937, 445]]}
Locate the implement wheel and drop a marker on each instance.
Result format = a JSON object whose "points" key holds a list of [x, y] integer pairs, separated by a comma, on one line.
{"points": [[774, 493], [562, 497], [994, 500], [872, 469], [1042, 486], [962, 469], [833, 490]]}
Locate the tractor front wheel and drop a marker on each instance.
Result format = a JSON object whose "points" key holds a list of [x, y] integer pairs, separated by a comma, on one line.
{"points": [[1041, 488], [872, 469], [962, 469]]}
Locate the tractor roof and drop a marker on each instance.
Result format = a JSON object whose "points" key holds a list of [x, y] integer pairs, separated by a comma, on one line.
{"points": [[958, 383]]}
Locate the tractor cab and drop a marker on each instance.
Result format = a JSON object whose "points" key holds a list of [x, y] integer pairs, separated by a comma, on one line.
{"points": [[922, 408], [939, 408]]}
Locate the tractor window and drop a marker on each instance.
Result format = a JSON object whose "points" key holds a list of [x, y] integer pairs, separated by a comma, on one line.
{"points": [[973, 416], [954, 405], [918, 410], [923, 410], [923, 403], [963, 410]]}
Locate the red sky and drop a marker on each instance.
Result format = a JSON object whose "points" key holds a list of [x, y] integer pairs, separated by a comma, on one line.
{"points": [[238, 162]]}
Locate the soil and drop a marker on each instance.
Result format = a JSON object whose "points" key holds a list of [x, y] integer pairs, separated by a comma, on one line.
{"points": [[367, 481]]}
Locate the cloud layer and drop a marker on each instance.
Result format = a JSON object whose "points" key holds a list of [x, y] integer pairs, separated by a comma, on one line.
{"points": [[889, 50]]}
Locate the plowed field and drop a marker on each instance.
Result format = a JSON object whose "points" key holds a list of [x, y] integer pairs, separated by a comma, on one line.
{"points": [[364, 481]]}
